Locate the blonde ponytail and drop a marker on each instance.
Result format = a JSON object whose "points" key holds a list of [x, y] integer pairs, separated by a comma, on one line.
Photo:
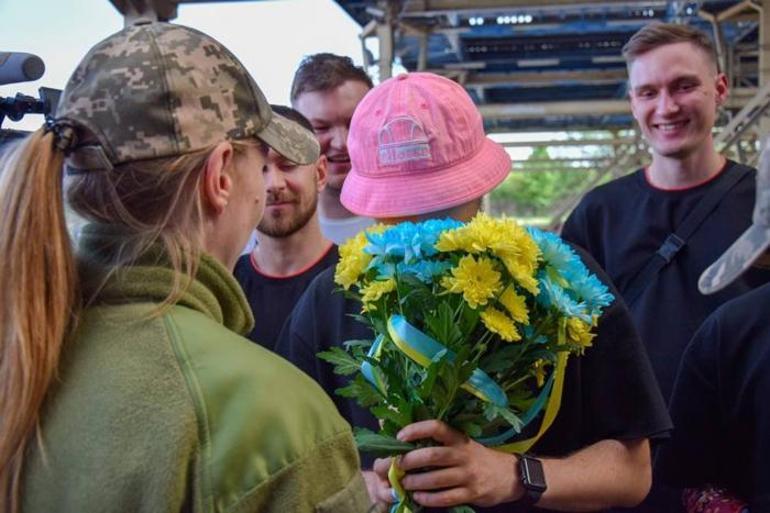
{"points": [[40, 304]]}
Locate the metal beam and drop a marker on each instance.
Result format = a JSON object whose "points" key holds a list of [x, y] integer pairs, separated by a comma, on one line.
{"points": [[572, 142], [542, 77], [751, 114], [497, 111], [433, 7]]}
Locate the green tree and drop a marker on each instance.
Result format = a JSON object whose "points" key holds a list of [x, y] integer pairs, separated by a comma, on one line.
{"points": [[532, 190]]}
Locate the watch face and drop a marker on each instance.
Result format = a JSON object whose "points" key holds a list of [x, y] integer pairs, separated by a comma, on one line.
{"points": [[532, 474]]}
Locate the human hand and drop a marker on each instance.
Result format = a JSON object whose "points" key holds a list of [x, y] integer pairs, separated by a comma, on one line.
{"points": [[377, 483], [459, 471]]}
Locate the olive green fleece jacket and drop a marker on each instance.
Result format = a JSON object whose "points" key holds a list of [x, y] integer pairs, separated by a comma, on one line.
{"points": [[180, 413]]}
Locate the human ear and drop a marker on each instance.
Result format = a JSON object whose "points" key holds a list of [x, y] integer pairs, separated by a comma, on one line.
{"points": [[321, 172], [722, 89], [217, 182]]}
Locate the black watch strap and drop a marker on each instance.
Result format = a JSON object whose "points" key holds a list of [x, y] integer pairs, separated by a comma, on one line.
{"points": [[532, 478]]}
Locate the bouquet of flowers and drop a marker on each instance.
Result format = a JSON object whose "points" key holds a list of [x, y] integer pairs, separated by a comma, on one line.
{"points": [[473, 325]]}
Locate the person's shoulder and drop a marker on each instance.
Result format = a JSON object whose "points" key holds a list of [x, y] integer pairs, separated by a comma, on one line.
{"points": [[322, 285], [243, 267], [249, 398], [613, 195], [614, 189], [746, 308], [323, 297]]}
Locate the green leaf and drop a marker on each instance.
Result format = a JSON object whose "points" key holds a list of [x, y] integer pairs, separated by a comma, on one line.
{"points": [[471, 429], [360, 390], [344, 364], [397, 417], [462, 509], [426, 386], [442, 326], [379, 444], [505, 413]]}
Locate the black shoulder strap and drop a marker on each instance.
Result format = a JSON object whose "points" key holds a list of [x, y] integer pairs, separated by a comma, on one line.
{"points": [[677, 240]]}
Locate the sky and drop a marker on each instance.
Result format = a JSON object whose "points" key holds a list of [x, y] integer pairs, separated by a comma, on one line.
{"points": [[269, 37]]}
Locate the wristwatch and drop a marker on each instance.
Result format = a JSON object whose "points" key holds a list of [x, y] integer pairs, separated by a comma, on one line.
{"points": [[532, 478]]}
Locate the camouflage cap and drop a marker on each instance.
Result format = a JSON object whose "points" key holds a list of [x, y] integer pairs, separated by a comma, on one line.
{"points": [[751, 244], [159, 89]]}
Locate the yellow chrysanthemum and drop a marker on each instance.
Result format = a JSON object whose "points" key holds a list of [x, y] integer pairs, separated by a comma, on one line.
{"points": [[515, 304], [497, 322], [375, 290], [477, 236], [504, 238], [353, 260], [579, 332], [476, 280]]}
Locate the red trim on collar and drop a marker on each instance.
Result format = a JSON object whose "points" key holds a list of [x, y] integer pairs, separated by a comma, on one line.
{"points": [[688, 187], [293, 275]]}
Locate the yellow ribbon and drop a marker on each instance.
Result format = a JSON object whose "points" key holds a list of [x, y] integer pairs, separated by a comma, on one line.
{"points": [[522, 446], [554, 403], [394, 476]]}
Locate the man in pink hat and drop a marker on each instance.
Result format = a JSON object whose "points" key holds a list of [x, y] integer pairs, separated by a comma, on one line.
{"points": [[419, 151]]}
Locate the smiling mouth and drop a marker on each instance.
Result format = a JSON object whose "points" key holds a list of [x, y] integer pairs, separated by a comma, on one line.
{"points": [[671, 126], [339, 159]]}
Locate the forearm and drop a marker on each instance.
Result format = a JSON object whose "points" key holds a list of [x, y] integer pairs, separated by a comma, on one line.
{"points": [[606, 474]]}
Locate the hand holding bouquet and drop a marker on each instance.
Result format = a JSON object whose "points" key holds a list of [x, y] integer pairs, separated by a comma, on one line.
{"points": [[473, 326]]}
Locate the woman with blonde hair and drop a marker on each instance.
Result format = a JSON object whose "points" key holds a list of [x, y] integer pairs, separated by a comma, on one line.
{"points": [[125, 383]]}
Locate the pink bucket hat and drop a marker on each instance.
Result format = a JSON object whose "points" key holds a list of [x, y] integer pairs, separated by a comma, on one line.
{"points": [[417, 145]]}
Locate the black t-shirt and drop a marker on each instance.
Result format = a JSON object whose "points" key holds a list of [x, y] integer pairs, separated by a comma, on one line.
{"points": [[721, 405], [609, 392], [272, 297], [623, 223]]}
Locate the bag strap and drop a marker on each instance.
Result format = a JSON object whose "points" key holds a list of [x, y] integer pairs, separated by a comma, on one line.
{"points": [[677, 240]]}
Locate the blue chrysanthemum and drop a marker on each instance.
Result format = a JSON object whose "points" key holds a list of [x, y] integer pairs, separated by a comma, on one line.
{"points": [[555, 252], [409, 241], [405, 245], [553, 295], [581, 286], [424, 270], [590, 289]]}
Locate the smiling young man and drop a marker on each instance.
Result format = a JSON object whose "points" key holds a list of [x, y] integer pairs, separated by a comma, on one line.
{"points": [[656, 230], [291, 250], [326, 90]]}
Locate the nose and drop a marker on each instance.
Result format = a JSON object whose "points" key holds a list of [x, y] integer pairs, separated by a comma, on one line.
{"points": [[340, 138], [667, 104], [274, 180]]}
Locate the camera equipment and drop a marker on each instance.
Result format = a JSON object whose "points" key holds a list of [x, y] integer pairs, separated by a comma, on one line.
{"points": [[23, 67], [20, 67], [16, 107]]}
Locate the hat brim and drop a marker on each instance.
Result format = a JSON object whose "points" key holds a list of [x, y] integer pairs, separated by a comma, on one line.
{"points": [[291, 140], [424, 191], [733, 262]]}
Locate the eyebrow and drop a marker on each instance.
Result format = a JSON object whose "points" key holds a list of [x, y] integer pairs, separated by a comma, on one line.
{"points": [[688, 76]]}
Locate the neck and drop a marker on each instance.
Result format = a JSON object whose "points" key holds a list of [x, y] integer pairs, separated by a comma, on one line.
{"points": [[217, 244], [330, 207], [286, 256], [676, 173]]}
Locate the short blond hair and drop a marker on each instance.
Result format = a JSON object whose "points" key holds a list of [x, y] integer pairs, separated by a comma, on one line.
{"points": [[657, 34]]}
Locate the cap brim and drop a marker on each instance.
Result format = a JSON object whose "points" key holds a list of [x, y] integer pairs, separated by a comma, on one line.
{"points": [[733, 262], [291, 140], [422, 192]]}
